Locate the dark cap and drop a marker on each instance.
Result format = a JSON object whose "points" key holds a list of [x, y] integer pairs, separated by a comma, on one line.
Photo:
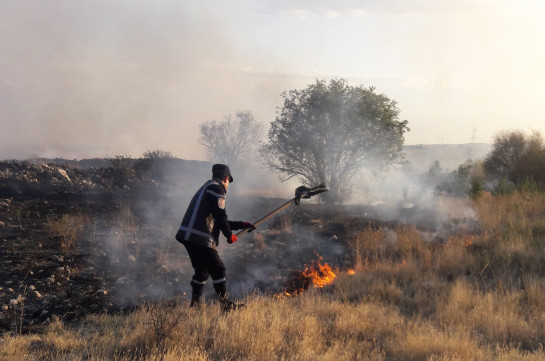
{"points": [[221, 171]]}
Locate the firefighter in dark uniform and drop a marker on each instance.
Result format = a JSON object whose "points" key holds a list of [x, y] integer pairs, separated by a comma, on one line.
{"points": [[199, 233]]}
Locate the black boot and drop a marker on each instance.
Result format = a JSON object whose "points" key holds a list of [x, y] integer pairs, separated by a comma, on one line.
{"points": [[196, 294], [226, 304]]}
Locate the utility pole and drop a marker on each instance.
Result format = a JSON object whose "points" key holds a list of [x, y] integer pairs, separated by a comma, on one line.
{"points": [[473, 138]]}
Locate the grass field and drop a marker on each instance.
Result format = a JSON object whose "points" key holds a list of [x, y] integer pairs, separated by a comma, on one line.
{"points": [[476, 296]]}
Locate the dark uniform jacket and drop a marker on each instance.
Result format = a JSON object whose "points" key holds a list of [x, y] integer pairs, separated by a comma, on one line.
{"points": [[206, 217]]}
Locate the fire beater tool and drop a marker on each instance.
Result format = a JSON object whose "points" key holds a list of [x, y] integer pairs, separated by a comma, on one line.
{"points": [[300, 192]]}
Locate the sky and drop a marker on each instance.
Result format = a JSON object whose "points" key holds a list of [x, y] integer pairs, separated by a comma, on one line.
{"points": [[95, 78]]}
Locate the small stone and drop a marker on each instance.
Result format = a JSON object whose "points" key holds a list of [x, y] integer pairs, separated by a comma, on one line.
{"points": [[31, 287], [57, 258], [132, 258], [5, 307], [13, 302]]}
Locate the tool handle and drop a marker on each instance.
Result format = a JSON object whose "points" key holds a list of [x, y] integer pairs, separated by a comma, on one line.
{"points": [[261, 220]]}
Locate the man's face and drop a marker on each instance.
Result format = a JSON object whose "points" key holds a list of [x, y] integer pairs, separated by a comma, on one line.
{"points": [[225, 182]]}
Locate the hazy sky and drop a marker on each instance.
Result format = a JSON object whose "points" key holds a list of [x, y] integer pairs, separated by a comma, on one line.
{"points": [[94, 78]]}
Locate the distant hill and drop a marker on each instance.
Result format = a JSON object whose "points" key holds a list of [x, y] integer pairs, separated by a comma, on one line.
{"points": [[419, 156], [258, 181]]}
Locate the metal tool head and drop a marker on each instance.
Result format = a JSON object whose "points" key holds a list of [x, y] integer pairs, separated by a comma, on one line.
{"points": [[305, 192]]}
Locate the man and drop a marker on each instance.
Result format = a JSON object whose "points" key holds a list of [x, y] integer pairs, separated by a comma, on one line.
{"points": [[199, 233]]}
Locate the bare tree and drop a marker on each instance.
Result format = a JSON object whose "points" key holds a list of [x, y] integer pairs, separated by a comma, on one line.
{"points": [[233, 141]]}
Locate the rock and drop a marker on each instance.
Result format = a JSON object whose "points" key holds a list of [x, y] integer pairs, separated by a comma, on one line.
{"points": [[63, 173], [13, 302], [5, 307], [57, 258], [132, 258], [31, 287], [2, 224]]}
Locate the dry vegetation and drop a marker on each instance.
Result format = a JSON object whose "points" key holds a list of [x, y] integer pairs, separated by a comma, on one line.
{"points": [[478, 296]]}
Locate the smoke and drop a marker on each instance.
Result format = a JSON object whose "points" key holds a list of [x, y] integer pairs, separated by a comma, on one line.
{"points": [[144, 259], [82, 79]]}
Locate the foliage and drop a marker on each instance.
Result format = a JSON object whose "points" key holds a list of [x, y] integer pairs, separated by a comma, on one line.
{"points": [[154, 164], [467, 180], [517, 157], [157, 154], [233, 141], [122, 169], [328, 131], [476, 188]]}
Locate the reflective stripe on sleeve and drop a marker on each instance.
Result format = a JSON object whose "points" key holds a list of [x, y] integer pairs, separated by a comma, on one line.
{"points": [[198, 282], [215, 194], [220, 280], [188, 231]]}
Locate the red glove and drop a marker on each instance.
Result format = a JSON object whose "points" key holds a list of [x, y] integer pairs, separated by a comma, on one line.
{"points": [[248, 225], [232, 239]]}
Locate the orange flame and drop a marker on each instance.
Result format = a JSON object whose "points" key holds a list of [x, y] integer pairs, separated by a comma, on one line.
{"points": [[320, 275], [351, 271]]}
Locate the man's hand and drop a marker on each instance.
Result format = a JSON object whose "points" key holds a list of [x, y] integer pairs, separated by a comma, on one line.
{"points": [[232, 239], [246, 225]]}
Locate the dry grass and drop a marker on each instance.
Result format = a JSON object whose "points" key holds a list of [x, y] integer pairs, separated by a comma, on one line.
{"points": [[477, 296], [69, 228]]}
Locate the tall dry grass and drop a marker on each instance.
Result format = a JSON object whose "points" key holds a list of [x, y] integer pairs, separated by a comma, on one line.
{"points": [[69, 228], [477, 295]]}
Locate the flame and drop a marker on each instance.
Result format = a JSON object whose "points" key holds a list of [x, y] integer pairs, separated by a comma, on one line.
{"points": [[351, 271], [317, 275], [294, 293], [320, 275]]}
